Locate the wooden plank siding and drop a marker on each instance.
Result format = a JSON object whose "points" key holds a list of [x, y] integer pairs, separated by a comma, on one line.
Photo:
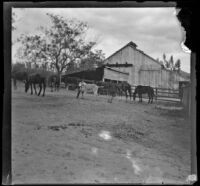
{"points": [[145, 70]]}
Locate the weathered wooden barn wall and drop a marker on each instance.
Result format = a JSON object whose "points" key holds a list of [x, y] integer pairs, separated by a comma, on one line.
{"points": [[145, 70], [170, 79]]}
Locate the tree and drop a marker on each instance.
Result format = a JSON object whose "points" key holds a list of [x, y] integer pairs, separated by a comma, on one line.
{"points": [[177, 65], [93, 59], [65, 43], [32, 50], [61, 44], [169, 64], [17, 67]]}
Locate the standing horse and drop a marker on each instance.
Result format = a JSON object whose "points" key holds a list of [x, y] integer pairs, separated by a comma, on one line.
{"points": [[33, 80], [144, 90], [18, 76], [125, 87], [71, 81], [84, 87], [111, 88], [54, 81]]}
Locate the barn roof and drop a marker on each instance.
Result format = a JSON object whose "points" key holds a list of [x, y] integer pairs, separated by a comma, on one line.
{"points": [[129, 44], [90, 74]]}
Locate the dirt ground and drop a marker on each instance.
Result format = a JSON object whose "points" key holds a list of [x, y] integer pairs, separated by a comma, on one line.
{"points": [[61, 139]]}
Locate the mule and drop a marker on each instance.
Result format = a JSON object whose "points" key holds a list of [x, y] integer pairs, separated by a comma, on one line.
{"points": [[84, 87], [33, 80], [144, 90]]}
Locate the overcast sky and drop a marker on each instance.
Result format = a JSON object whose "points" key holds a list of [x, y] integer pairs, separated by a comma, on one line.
{"points": [[154, 30]]}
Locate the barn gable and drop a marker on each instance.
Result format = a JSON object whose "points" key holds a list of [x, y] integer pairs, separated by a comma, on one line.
{"points": [[130, 54]]}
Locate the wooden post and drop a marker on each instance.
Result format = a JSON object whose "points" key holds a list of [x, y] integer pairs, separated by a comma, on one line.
{"points": [[192, 113], [156, 94]]}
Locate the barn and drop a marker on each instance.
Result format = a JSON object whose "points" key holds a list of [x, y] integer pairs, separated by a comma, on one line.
{"points": [[137, 68]]}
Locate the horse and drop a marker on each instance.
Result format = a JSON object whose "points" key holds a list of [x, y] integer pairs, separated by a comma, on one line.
{"points": [[111, 88], [125, 87], [71, 81], [33, 80], [54, 82], [144, 90], [84, 87], [18, 76]]}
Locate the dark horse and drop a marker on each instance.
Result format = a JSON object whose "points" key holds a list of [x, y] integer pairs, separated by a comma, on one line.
{"points": [[112, 89], [125, 87], [71, 81], [18, 76], [144, 90], [54, 81], [33, 80]]}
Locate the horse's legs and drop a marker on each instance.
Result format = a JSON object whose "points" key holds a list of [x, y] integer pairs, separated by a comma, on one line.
{"points": [[78, 93], [34, 88], [40, 85], [126, 96], [130, 94], [82, 93], [140, 97], [31, 88], [44, 87]]}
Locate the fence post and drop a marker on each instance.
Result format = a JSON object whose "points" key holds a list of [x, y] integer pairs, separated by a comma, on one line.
{"points": [[156, 93]]}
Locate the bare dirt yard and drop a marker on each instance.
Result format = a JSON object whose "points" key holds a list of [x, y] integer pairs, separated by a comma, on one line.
{"points": [[61, 139]]}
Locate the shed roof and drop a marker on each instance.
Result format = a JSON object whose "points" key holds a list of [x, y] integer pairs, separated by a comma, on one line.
{"points": [[126, 73]]}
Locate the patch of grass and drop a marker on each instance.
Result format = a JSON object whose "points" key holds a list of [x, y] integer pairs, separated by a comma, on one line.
{"points": [[174, 113], [126, 132]]}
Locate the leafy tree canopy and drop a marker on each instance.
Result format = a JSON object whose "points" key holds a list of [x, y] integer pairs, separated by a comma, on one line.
{"points": [[59, 46]]}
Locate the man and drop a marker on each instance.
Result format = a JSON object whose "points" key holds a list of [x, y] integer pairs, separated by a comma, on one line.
{"points": [[81, 88]]}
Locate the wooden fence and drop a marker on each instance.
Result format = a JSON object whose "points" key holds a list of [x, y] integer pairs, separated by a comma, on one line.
{"points": [[162, 94]]}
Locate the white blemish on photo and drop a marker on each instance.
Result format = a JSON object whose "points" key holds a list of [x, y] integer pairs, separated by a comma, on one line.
{"points": [[135, 166], [105, 135], [94, 150]]}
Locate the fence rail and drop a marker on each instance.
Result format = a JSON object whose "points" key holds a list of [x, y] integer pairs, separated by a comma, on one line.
{"points": [[164, 94]]}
